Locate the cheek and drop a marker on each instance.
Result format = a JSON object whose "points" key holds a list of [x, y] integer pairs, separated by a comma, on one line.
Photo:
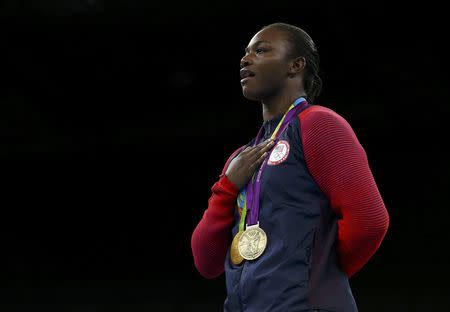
{"points": [[272, 76]]}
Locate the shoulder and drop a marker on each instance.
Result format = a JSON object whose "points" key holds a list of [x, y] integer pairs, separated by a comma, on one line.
{"points": [[318, 120], [318, 113]]}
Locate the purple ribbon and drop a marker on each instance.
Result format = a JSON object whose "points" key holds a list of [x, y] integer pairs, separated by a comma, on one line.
{"points": [[254, 186]]}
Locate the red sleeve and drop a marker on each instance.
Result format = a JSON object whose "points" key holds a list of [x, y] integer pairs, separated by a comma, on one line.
{"points": [[212, 236], [339, 165]]}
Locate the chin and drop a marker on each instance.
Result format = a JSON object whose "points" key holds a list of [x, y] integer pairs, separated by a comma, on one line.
{"points": [[250, 94]]}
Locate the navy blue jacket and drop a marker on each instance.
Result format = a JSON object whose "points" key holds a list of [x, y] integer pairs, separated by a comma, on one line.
{"points": [[299, 269]]}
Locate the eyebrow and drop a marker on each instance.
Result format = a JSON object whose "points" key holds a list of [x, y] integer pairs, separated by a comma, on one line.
{"points": [[256, 44]]}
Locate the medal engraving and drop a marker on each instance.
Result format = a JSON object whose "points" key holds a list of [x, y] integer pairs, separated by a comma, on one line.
{"points": [[252, 242]]}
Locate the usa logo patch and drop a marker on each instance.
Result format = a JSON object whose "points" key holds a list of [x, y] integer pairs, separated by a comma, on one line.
{"points": [[279, 153]]}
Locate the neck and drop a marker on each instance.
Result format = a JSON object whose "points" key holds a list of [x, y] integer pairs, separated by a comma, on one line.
{"points": [[279, 104]]}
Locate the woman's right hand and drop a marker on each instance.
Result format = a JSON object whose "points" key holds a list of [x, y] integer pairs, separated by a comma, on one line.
{"points": [[242, 167]]}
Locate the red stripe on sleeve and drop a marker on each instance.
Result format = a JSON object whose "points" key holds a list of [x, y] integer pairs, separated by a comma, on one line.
{"points": [[339, 165], [212, 235]]}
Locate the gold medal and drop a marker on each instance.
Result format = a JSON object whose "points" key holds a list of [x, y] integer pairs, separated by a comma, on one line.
{"points": [[252, 242], [236, 258]]}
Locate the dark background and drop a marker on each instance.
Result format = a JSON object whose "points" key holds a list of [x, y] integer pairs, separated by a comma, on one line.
{"points": [[117, 117]]}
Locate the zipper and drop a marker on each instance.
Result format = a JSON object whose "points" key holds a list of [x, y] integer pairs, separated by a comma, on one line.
{"points": [[241, 288]]}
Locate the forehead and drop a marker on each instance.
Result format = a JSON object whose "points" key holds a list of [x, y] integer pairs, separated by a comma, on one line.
{"points": [[270, 34]]}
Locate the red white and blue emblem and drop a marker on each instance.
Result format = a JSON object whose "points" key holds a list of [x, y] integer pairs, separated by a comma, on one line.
{"points": [[279, 153]]}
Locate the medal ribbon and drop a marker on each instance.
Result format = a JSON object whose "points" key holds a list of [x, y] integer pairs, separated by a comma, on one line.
{"points": [[242, 203], [254, 186]]}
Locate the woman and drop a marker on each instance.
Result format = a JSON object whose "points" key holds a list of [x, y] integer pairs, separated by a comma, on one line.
{"points": [[296, 212]]}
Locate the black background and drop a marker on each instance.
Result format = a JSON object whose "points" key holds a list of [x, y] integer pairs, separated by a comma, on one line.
{"points": [[117, 117]]}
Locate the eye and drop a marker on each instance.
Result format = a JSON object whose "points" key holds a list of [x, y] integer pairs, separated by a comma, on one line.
{"points": [[260, 50]]}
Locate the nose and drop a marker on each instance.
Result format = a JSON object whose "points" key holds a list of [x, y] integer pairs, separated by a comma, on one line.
{"points": [[245, 61]]}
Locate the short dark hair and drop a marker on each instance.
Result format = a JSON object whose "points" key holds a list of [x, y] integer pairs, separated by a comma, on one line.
{"points": [[303, 45]]}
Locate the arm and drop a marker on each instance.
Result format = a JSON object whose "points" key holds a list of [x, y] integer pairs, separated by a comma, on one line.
{"points": [[339, 165], [211, 237]]}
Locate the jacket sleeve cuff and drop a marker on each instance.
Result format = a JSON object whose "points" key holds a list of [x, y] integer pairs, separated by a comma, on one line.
{"points": [[228, 186]]}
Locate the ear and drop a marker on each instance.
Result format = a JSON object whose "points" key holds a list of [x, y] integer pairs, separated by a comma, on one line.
{"points": [[297, 65]]}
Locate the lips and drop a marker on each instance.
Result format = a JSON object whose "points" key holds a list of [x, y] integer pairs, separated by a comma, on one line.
{"points": [[246, 74]]}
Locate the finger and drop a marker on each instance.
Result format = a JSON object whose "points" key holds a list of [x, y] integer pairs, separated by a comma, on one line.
{"points": [[258, 161], [268, 146], [255, 153], [258, 150], [260, 146], [268, 141], [265, 149], [245, 150]]}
